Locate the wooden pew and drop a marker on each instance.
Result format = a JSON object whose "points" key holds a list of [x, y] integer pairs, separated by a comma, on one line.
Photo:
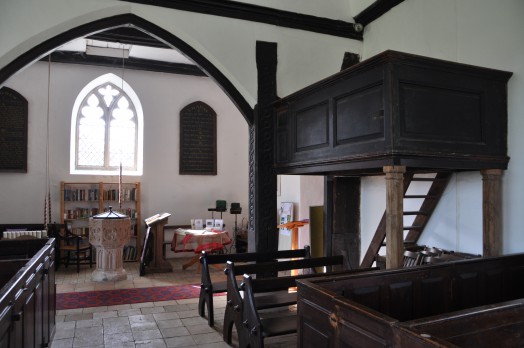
{"points": [[27, 292], [270, 293], [366, 310], [208, 287], [498, 325]]}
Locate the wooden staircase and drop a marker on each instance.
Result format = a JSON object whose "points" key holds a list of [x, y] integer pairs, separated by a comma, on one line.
{"points": [[421, 216]]}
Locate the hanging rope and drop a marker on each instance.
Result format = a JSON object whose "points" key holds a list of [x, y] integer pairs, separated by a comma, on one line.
{"points": [[47, 196]]}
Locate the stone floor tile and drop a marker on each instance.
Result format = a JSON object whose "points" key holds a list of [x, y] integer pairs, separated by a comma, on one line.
{"points": [[188, 314], [205, 338], [111, 329], [62, 343], [157, 343], [166, 316], [217, 345], [95, 309], [64, 333], [75, 317], [193, 321], [166, 303], [89, 323], [65, 325], [177, 308], [163, 324], [121, 345], [147, 335], [88, 341], [119, 307], [143, 326], [200, 329], [115, 321], [129, 312], [69, 311], [141, 318], [152, 310], [103, 315], [174, 331], [117, 337], [142, 305], [180, 341]]}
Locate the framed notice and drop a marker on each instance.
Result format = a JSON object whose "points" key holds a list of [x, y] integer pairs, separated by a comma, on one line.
{"points": [[13, 131], [198, 140]]}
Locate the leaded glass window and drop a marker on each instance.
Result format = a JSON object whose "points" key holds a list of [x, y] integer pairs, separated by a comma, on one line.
{"points": [[107, 130]]}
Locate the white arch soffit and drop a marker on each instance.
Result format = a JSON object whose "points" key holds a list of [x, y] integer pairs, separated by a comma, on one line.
{"points": [[60, 25], [55, 25], [183, 35], [116, 80]]}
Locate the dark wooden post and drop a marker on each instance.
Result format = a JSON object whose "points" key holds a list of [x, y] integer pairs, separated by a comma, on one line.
{"points": [[263, 232], [394, 215], [491, 212]]}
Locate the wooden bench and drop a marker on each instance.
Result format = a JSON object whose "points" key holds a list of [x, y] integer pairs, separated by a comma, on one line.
{"points": [[367, 310], [259, 294], [208, 287]]}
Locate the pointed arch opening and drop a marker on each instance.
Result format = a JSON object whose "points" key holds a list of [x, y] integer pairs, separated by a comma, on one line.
{"points": [[107, 128]]}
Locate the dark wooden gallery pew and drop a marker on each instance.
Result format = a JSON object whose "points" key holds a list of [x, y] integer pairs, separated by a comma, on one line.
{"points": [[208, 287], [499, 325], [368, 310], [243, 311], [27, 294]]}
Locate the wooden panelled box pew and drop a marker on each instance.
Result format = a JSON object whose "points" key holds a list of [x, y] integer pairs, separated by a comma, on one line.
{"points": [[27, 294], [384, 308]]}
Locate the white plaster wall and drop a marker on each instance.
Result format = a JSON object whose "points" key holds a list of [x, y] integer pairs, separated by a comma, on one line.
{"points": [[163, 189], [229, 44], [479, 32]]}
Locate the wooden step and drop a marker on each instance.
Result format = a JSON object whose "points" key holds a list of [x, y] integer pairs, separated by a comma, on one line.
{"points": [[430, 200]]}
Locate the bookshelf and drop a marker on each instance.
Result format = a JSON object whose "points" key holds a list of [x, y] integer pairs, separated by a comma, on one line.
{"points": [[81, 200]]}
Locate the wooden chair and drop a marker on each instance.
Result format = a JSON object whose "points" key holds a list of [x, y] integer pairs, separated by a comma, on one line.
{"points": [[70, 247]]}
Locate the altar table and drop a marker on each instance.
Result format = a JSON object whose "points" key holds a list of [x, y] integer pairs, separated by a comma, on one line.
{"points": [[198, 240]]}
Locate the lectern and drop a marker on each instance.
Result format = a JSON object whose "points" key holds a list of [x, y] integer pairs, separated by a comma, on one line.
{"points": [[152, 256]]}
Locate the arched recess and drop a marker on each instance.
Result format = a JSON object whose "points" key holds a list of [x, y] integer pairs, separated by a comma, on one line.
{"points": [[141, 24]]}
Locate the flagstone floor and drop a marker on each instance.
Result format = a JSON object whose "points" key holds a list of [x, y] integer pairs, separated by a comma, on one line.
{"points": [[173, 323]]}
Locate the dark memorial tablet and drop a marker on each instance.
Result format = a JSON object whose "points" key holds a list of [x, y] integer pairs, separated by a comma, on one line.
{"points": [[198, 124], [13, 131]]}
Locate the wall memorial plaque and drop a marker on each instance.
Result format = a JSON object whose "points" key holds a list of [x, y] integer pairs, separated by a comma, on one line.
{"points": [[198, 139], [13, 131]]}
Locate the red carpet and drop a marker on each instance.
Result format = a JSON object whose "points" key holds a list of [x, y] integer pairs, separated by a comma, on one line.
{"points": [[84, 299]]}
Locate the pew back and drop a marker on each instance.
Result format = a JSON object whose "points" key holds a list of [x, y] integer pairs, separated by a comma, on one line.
{"points": [[208, 287], [367, 306]]}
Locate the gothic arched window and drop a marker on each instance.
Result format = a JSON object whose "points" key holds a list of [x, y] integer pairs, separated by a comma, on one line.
{"points": [[106, 129]]}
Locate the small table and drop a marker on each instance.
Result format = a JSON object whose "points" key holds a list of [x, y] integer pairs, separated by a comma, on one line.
{"points": [[197, 241]]}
